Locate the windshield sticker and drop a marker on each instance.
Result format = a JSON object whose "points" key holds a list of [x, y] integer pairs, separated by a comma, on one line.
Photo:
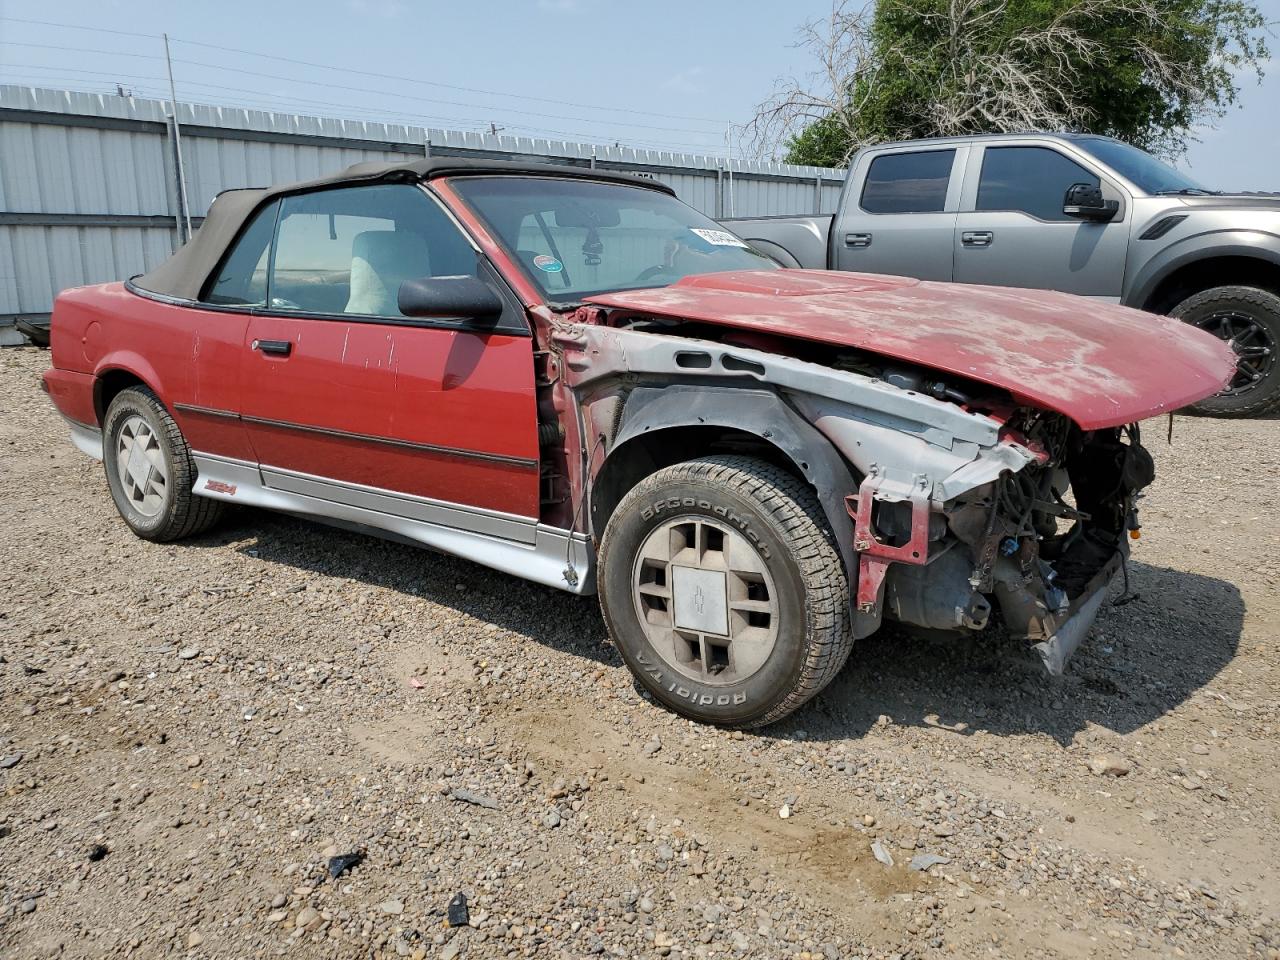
{"points": [[719, 238], [547, 264]]}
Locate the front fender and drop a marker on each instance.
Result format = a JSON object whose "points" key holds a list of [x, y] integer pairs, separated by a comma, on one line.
{"points": [[1255, 244], [650, 410]]}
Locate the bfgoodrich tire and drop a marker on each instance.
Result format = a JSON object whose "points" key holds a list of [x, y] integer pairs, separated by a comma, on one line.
{"points": [[150, 471], [723, 590], [1249, 319]]}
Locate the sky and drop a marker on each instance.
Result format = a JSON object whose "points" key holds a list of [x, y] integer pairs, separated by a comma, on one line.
{"points": [[662, 74]]}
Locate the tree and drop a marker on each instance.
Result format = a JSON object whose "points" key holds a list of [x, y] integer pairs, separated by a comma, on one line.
{"points": [[1144, 71]]}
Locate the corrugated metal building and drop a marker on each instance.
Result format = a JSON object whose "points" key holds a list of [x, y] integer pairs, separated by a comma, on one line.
{"points": [[89, 188]]}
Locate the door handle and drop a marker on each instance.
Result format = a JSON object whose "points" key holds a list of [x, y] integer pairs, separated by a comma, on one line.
{"points": [[278, 348], [857, 239], [977, 238]]}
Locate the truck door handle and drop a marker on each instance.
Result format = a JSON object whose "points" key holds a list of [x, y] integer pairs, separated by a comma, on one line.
{"points": [[977, 238], [857, 239], [278, 348]]}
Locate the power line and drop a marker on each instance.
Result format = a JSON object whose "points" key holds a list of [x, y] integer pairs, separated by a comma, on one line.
{"points": [[447, 86], [65, 49], [278, 103], [450, 103], [381, 76], [385, 93], [78, 26], [410, 116]]}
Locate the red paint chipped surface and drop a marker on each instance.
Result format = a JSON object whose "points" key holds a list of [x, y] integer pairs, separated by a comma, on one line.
{"points": [[1100, 364]]}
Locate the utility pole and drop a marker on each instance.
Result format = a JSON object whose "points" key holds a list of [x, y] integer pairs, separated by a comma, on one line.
{"points": [[177, 141], [728, 136]]}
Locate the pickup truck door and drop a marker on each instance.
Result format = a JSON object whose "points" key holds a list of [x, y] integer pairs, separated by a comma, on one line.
{"points": [[347, 400], [1011, 230], [898, 214]]}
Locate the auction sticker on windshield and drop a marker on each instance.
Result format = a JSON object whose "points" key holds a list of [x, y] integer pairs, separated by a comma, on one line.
{"points": [[547, 264], [719, 238]]}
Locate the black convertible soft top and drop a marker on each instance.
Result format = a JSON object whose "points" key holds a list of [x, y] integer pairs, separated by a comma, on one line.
{"points": [[183, 275]]}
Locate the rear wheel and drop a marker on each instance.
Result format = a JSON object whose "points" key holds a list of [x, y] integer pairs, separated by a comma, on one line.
{"points": [[1249, 320], [150, 471], [723, 590]]}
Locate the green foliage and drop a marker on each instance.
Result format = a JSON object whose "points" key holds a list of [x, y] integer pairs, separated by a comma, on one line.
{"points": [[1143, 71], [824, 143]]}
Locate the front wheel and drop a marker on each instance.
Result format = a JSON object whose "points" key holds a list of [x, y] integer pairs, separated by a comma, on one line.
{"points": [[1249, 320], [723, 590]]}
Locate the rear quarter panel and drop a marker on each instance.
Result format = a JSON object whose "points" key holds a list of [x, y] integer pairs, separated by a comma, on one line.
{"points": [[190, 357], [805, 238]]}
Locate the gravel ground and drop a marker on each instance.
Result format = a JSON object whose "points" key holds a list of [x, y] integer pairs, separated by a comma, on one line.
{"points": [[189, 732]]}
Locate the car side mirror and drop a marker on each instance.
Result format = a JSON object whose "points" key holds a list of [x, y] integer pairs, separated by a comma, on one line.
{"points": [[1084, 201], [448, 298]]}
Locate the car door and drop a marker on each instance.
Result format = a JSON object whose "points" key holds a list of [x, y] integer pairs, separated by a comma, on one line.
{"points": [[903, 218], [346, 399], [1011, 230]]}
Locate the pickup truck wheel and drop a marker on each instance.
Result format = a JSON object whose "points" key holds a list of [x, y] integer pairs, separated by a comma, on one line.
{"points": [[1249, 320], [723, 590], [150, 471]]}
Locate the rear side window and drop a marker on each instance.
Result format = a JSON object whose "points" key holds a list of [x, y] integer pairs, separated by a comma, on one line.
{"points": [[242, 281], [1033, 180], [908, 182]]}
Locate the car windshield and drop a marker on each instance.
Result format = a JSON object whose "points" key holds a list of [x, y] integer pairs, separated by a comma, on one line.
{"points": [[1140, 168], [575, 238]]}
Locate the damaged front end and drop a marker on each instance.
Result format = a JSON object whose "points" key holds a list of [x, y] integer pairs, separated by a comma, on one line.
{"points": [[1041, 543], [948, 502]]}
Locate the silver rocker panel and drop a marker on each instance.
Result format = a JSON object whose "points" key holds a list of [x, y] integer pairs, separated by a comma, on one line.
{"points": [[516, 545]]}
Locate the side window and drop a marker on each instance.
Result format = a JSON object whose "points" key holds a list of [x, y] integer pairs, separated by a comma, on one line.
{"points": [[908, 182], [349, 250], [242, 280], [1030, 179]]}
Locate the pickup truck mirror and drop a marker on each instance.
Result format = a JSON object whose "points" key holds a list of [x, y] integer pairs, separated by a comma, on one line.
{"points": [[1084, 201], [447, 297]]}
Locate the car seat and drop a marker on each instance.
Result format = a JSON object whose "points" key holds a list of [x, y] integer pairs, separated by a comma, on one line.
{"points": [[381, 260]]}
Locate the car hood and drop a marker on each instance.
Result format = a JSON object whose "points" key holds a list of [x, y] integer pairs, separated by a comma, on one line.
{"points": [[1099, 364], [1234, 201]]}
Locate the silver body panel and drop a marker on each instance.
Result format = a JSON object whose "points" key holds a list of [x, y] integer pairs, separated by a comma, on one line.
{"points": [[1110, 261], [514, 545], [86, 439]]}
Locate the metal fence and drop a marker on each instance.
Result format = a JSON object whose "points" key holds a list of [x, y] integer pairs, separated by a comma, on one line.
{"points": [[89, 188]]}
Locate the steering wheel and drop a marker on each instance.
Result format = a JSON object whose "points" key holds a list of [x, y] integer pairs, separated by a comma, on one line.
{"points": [[652, 272]]}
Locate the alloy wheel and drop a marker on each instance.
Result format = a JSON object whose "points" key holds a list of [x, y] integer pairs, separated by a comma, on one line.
{"points": [[140, 465], [1253, 344], [706, 600]]}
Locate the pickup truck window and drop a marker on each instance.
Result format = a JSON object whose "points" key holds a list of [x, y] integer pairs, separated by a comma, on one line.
{"points": [[576, 238], [242, 280], [348, 250], [1138, 167], [1033, 180], [908, 182]]}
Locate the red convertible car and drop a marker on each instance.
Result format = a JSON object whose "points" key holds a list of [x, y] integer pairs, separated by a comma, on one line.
{"points": [[570, 376]]}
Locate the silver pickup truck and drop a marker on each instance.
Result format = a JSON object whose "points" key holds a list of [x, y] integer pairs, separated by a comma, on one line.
{"points": [[1081, 214]]}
